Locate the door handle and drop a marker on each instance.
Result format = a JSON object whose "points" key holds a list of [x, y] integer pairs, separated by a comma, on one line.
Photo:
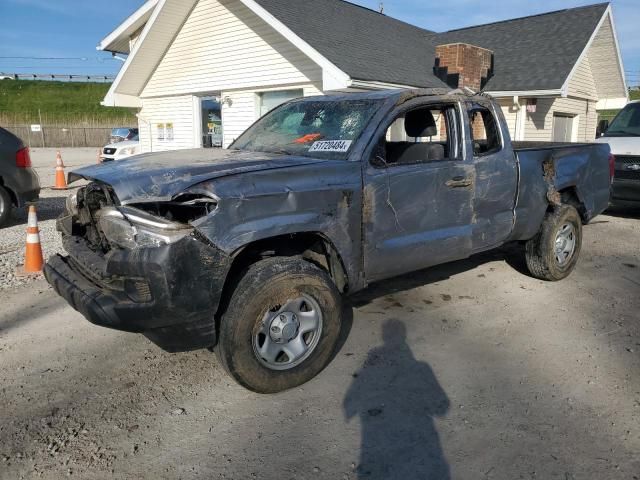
{"points": [[459, 182]]}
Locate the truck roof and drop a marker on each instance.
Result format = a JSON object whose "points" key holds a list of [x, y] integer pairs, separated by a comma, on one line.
{"points": [[400, 95]]}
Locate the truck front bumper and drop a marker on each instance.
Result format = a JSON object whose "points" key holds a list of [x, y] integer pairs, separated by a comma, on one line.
{"points": [[170, 294]]}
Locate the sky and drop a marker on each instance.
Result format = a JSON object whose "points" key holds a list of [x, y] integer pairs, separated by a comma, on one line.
{"points": [[60, 36]]}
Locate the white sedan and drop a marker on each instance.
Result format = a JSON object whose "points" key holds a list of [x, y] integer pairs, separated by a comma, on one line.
{"points": [[121, 150]]}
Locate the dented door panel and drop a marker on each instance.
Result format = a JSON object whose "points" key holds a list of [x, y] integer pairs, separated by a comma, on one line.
{"points": [[413, 220]]}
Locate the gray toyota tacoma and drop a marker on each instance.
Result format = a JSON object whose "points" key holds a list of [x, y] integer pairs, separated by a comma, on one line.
{"points": [[250, 250]]}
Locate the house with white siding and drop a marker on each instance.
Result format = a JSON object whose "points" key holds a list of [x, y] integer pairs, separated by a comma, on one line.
{"points": [[198, 70]]}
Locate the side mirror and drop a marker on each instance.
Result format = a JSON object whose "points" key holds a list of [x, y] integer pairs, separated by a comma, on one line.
{"points": [[603, 126]]}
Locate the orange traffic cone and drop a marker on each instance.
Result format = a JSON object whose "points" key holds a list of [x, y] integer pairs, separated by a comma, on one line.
{"points": [[33, 260], [61, 181], [99, 156]]}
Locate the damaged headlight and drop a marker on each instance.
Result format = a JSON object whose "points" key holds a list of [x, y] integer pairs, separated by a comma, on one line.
{"points": [[131, 228], [71, 205]]}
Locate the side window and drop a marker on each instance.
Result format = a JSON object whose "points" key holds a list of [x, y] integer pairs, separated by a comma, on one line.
{"points": [[485, 134], [423, 134]]}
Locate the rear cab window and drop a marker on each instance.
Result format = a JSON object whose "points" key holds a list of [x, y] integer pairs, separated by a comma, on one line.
{"points": [[485, 132]]}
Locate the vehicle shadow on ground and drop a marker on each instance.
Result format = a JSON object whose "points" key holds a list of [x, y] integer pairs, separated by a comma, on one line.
{"points": [[48, 208], [397, 399], [38, 308], [624, 212], [512, 254]]}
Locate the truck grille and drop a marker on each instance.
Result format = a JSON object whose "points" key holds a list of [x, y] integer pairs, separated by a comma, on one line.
{"points": [[628, 168]]}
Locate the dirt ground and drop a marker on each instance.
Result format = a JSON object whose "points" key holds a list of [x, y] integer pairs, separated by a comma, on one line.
{"points": [[472, 370]]}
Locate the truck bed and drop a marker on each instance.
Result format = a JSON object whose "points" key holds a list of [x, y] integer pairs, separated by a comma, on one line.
{"points": [[517, 146], [549, 170]]}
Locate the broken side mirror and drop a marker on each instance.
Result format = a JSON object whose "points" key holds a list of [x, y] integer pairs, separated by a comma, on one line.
{"points": [[603, 126]]}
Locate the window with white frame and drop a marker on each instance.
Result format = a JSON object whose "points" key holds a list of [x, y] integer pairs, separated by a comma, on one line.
{"points": [[164, 132]]}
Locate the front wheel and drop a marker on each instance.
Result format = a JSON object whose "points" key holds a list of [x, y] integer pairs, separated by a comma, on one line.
{"points": [[281, 327], [553, 253]]}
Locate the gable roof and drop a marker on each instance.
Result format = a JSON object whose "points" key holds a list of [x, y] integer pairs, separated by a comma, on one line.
{"points": [[531, 53], [355, 44], [118, 40], [363, 43], [536, 52]]}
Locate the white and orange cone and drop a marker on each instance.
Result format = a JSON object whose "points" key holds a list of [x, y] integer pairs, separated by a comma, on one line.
{"points": [[61, 180], [99, 156], [33, 259]]}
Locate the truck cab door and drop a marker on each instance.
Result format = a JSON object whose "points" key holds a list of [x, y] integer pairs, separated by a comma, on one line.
{"points": [[418, 191], [496, 176]]}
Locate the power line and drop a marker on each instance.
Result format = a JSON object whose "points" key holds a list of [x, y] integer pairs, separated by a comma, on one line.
{"points": [[57, 66], [84, 59]]}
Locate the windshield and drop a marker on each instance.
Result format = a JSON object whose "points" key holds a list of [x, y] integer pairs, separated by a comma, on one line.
{"points": [[120, 132], [319, 129], [627, 123]]}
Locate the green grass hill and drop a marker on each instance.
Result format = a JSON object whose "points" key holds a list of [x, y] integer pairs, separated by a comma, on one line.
{"points": [[59, 103]]}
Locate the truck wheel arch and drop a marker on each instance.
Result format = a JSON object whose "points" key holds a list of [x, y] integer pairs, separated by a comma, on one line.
{"points": [[570, 196], [314, 247], [14, 198]]}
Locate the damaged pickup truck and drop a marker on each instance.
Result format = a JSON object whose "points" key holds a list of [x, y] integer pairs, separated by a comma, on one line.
{"points": [[250, 250]]}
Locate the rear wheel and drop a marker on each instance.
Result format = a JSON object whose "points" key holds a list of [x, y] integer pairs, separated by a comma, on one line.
{"points": [[281, 326], [6, 206], [553, 253]]}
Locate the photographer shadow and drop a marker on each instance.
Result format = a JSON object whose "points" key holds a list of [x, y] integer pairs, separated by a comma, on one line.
{"points": [[397, 399]]}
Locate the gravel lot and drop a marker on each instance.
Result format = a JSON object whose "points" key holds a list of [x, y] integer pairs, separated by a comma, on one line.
{"points": [[50, 206], [471, 370]]}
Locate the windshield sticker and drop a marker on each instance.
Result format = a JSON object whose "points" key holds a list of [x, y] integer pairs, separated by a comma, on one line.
{"points": [[331, 146], [312, 137]]}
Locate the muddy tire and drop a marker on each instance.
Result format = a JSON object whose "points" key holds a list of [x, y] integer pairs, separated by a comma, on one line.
{"points": [[281, 326], [6, 206], [553, 253]]}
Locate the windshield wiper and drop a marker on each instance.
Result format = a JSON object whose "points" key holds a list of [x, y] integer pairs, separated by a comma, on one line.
{"points": [[282, 151]]}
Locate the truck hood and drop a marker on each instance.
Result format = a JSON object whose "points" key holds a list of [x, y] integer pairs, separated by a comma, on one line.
{"points": [[622, 145], [157, 177]]}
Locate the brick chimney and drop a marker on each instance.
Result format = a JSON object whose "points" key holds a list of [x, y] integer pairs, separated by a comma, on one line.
{"points": [[462, 65]]}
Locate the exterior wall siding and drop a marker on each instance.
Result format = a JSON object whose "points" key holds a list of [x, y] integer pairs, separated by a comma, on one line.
{"points": [[176, 110], [583, 84], [224, 45], [539, 125], [603, 59], [510, 115]]}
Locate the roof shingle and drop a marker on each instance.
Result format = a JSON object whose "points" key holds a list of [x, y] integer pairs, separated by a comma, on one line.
{"points": [[531, 53]]}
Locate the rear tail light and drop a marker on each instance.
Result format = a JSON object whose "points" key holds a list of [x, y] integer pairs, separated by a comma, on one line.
{"points": [[612, 166], [23, 159]]}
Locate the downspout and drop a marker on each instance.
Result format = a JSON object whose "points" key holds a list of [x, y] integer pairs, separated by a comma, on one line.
{"points": [[147, 122]]}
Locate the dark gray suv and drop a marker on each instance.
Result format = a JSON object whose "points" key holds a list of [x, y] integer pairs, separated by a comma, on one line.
{"points": [[19, 183]]}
